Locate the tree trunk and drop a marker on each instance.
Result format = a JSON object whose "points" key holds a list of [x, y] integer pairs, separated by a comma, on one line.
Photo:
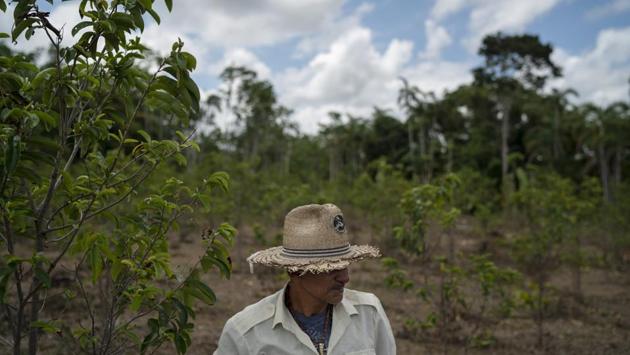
{"points": [[422, 142], [287, 158], [451, 247], [505, 107], [617, 165], [17, 336], [450, 145], [333, 161], [540, 311], [35, 301], [604, 172], [555, 135], [577, 269], [431, 150], [412, 151]]}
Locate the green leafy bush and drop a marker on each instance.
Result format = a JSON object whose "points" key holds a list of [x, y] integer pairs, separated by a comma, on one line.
{"points": [[74, 191]]}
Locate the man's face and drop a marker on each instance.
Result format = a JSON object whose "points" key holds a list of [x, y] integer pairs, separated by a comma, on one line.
{"points": [[325, 287]]}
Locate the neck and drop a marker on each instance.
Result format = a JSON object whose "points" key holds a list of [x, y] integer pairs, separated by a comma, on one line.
{"points": [[301, 301]]}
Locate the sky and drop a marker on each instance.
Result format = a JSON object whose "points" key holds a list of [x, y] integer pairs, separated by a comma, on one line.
{"points": [[348, 55]]}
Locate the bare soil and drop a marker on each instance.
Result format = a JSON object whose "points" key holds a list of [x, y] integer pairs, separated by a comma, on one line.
{"points": [[600, 324]]}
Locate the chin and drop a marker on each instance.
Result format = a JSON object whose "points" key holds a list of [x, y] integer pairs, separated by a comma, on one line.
{"points": [[336, 298]]}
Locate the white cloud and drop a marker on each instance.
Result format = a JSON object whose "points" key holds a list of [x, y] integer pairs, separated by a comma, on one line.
{"points": [[352, 72], [310, 118], [352, 76], [601, 74], [503, 15], [613, 7], [240, 57], [438, 75], [444, 8], [228, 26], [489, 16], [329, 32], [437, 39], [229, 23], [63, 17]]}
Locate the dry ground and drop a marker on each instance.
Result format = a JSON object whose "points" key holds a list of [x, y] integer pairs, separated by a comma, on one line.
{"points": [[599, 326]]}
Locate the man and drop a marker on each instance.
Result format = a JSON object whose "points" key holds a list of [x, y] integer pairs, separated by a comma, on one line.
{"points": [[313, 313]]}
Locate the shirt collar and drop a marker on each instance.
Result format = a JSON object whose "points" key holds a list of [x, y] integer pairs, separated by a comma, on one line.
{"points": [[348, 306], [282, 313], [284, 317], [341, 320]]}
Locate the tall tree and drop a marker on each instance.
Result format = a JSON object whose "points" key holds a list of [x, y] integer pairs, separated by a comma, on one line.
{"points": [[345, 142], [261, 119], [610, 128], [421, 123], [513, 63]]}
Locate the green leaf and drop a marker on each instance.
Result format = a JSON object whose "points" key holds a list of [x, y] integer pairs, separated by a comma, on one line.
{"points": [[136, 302], [3, 6], [227, 231], [42, 276], [22, 8], [29, 33], [181, 159], [224, 267], [82, 8], [21, 26], [12, 154], [191, 62], [4, 34], [166, 101], [47, 327], [154, 14], [183, 311], [147, 4], [221, 179], [41, 76], [10, 81], [95, 262], [5, 275], [138, 20], [167, 84], [205, 201], [144, 135], [106, 24], [81, 25], [201, 291], [169, 5], [117, 267], [48, 119], [180, 344]]}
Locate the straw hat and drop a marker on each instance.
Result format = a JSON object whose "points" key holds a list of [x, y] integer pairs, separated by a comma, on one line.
{"points": [[315, 239]]}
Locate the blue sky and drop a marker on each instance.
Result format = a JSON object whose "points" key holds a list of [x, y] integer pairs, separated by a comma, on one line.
{"points": [[324, 55]]}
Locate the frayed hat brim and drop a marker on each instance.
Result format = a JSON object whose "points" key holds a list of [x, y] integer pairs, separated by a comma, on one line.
{"points": [[274, 257]]}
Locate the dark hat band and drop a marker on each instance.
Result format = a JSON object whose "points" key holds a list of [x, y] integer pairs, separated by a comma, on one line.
{"points": [[315, 253]]}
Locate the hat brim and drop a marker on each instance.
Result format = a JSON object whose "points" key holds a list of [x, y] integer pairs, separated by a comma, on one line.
{"points": [[275, 258]]}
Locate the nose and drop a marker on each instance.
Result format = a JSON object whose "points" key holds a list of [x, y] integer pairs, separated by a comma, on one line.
{"points": [[342, 276]]}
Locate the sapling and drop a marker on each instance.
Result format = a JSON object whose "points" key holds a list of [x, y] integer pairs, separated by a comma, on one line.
{"points": [[76, 195]]}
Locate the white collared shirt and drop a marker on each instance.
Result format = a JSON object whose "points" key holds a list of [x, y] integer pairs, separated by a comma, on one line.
{"points": [[359, 327]]}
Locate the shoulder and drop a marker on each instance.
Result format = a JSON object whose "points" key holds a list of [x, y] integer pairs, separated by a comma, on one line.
{"points": [[360, 298], [253, 314]]}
